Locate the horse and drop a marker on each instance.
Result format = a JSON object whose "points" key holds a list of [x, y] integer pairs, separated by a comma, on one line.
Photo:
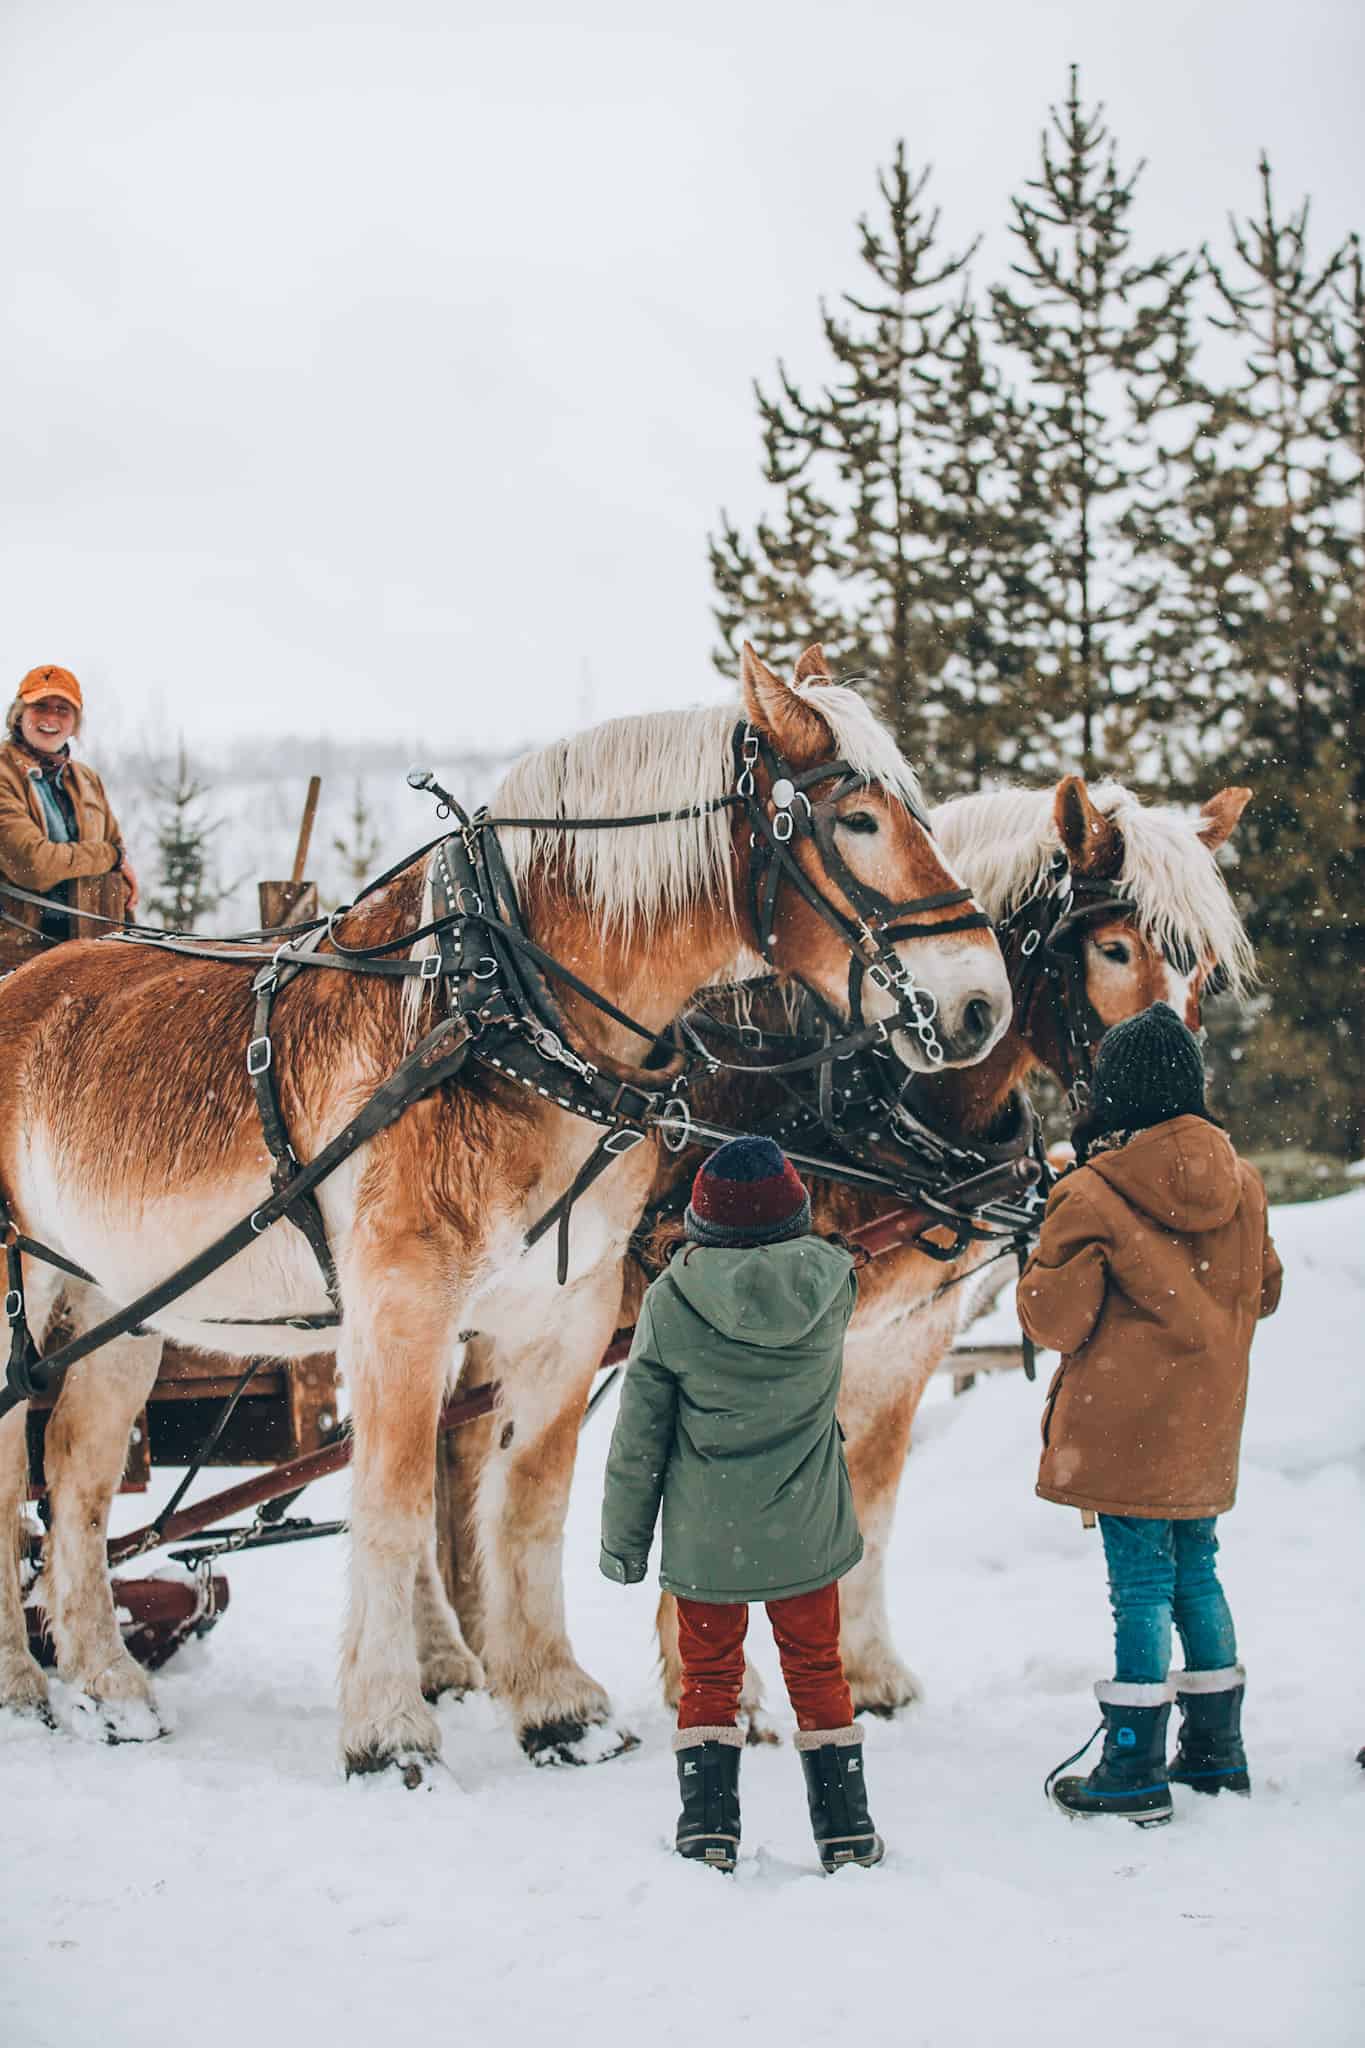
{"points": [[1149, 918], [1144, 915], [130, 1134]]}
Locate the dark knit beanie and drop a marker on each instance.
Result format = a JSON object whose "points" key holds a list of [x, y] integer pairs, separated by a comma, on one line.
{"points": [[1147, 1070], [748, 1192]]}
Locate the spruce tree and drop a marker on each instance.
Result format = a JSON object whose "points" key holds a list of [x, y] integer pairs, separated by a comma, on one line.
{"points": [[852, 554], [1261, 631], [187, 889], [360, 849], [1104, 338]]}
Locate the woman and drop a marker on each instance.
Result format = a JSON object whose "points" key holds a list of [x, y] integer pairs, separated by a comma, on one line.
{"points": [[58, 836]]}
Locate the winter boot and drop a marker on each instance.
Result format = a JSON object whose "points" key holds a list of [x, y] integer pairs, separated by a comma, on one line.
{"points": [[1130, 1778], [832, 1759], [1209, 1756], [708, 1779]]}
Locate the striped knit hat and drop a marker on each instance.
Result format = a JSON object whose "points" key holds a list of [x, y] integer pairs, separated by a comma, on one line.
{"points": [[748, 1192]]}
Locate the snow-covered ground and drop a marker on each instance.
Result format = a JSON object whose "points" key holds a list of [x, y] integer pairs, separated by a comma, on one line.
{"points": [[223, 1887]]}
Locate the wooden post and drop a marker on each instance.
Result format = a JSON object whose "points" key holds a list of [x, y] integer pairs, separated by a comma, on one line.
{"points": [[294, 901]]}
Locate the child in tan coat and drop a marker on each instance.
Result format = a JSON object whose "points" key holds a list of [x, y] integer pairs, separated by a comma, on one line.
{"points": [[1153, 1267]]}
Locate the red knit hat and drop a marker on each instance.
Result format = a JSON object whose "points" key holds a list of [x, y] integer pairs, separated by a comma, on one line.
{"points": [[50, 682], [748, 1192]]}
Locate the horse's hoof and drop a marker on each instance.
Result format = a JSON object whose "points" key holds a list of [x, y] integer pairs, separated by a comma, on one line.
{"points": [[758, 1732], [576, 1742], [887, 1695], [23, 1692], [415, 1770], [114, 1721]]}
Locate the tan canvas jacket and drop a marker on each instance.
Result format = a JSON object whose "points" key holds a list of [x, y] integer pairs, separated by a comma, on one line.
{"points": [[1153, 1266], [33, 861]]}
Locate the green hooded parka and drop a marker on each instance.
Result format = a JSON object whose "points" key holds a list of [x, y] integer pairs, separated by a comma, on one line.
{"points": [[728, 1418]]}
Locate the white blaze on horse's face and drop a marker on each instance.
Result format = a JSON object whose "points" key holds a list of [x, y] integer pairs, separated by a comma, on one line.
{"points": [[962, 975], [1125, 973]]}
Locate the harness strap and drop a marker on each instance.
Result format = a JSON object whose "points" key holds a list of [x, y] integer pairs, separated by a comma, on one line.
{"points": [[304, 1213], [437, 1059]]}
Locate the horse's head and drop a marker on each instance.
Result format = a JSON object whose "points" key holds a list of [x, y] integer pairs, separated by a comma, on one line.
{"points": [[842, 886], [1146, 917]]}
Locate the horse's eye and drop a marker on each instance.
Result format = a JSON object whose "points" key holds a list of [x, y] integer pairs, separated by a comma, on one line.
{"points": [[1115, 950], [857, 821]]}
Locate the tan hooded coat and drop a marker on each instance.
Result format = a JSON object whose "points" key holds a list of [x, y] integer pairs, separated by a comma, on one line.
{"points": [[33, 861], [1153, 1266]]}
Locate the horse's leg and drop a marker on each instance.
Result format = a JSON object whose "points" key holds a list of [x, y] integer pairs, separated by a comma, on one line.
{"points": [[86, 1448], [523, 1496], [877, 1410], [398, 1342], [461, 1455], [445, 1661], [23, 1686], [670, 1675]]}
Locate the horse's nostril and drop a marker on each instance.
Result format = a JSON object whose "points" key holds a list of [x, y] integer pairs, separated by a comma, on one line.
{"points": [[978, 1022]]}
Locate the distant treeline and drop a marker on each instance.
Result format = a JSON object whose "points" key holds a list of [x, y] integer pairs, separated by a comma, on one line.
{"points": [[1106, 515]]}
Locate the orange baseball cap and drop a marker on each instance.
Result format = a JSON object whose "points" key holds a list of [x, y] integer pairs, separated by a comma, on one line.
{"points": [[50, 682]]}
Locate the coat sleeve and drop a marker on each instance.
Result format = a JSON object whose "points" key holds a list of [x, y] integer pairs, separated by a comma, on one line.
{"points": [[638, 1458], [1272, 1275], [1061, 1289], [32, 860]]}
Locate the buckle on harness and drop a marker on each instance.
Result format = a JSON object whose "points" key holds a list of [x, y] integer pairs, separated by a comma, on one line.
{"points": [[259, 1055], [431, 967], [14, 1304]]}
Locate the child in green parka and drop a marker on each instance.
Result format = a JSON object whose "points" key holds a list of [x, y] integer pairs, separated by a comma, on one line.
{"points": [[728, 1421]]}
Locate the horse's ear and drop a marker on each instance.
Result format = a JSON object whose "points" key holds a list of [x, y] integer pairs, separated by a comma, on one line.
{"points": [[1218, 817], [1094, 844], [812, 667], [799, 734]]}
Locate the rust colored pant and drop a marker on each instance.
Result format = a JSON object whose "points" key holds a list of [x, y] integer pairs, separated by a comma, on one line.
{"points": [[806, 1631]]}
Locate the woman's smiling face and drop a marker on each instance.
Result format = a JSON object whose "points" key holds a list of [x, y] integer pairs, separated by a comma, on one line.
{"points": [[48, 724]]}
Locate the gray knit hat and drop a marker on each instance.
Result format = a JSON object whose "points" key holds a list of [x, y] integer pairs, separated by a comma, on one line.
{"points": [[1147, 1070]]}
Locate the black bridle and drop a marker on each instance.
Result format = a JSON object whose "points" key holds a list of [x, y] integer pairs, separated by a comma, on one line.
{"points": [[879, 923]]}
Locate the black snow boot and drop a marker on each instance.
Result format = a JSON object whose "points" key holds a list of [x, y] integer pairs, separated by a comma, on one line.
{"points": [[1130, 1778], [832, 1759], [708, 1779], [1209, 1756]]}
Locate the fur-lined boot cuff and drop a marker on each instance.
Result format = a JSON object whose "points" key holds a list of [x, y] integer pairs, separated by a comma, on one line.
{"points": [[1114, 1692], [820, 1738], [1226, 1680], [693, 1738]]}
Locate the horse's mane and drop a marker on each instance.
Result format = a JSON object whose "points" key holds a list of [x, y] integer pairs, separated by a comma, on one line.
{"points": [[1002, 841], [635, 879]]}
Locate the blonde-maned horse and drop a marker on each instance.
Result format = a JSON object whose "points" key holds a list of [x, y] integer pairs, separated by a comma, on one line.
{"points": [[129, 1139], [1161, 861], [1182, 924]]}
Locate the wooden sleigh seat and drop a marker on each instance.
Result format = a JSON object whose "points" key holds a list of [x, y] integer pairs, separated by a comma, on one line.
{"points": [[286, 1411]]}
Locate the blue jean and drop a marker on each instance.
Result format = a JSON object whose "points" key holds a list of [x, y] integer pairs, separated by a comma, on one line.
{"points": [[1160, 1571]]}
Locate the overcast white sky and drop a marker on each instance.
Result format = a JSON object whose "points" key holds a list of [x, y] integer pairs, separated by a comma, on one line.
{"points": [[374, 372]]}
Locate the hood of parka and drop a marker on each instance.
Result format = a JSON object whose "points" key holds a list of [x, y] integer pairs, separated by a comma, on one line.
{"points": [[771, 1295], [1182, 1173]]}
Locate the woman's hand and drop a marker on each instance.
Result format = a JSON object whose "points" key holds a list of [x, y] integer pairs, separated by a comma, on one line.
{"points": [[130, 883]]}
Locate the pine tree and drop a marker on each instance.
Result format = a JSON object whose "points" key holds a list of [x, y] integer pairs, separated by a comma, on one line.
{"points": [[360, 849], [1262, 632], [988, 525], [187, 888], [852, 555], [1105, 340]]}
